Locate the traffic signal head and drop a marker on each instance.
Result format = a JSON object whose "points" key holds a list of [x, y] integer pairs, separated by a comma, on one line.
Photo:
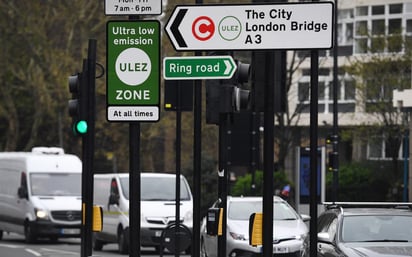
{"points": [[242, 72], [78, 104], [241, 99]]}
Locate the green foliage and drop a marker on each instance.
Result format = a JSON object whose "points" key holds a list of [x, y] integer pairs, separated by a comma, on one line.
{"points": [[243, 185], [360, 182]]}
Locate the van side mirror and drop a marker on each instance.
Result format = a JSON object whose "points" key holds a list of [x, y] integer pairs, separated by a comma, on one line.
{"points": [[113, 199], [22, 192]]}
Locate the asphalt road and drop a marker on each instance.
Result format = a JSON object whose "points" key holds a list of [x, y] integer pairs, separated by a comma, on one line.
{"points": [[13, 245]]}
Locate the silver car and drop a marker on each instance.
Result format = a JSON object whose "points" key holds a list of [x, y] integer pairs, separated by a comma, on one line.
{"points": [[290, 236]]}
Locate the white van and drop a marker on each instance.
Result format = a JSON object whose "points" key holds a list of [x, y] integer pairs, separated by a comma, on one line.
{"points": [[40, 193], [158, 208]]}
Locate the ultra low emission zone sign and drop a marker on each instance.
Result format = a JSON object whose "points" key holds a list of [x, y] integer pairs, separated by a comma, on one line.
{"points": [[252, 27], [199, 67], [133, 70]]}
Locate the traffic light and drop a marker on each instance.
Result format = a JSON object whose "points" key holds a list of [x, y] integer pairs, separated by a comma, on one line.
{"points": [[78, 103], [331, 139], [242, 73], [241, 97], [227, 97], [331, 161]]}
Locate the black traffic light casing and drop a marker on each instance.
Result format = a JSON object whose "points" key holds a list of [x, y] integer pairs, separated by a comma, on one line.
{"points": [[242, 73], [227, 97], [178, 95], [78, 104]]}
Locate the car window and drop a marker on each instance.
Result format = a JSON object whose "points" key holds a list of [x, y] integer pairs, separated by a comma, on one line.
{"points": [[157, 189], [243, 209], [377, 228]]}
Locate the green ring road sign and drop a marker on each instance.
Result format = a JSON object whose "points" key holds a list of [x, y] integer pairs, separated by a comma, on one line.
{"points": [[199, 67]]}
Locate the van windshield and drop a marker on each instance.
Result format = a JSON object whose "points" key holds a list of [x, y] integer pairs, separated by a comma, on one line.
{"points": [[52, 184], [158, 189]]}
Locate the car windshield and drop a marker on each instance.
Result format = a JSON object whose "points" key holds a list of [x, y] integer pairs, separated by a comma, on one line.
{"points": [[243, 209], [377, 228], [157, 189], [53, 184]]}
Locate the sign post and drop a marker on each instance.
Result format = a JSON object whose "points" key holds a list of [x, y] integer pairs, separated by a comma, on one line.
{"points": [[252, 26], [133, 71], [199, 67]]}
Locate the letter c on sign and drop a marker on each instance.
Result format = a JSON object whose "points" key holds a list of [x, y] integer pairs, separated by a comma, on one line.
{"points": [[203, 28]]}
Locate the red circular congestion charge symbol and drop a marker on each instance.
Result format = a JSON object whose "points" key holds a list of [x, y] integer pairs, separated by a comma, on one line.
{"points": [[203, 28]]}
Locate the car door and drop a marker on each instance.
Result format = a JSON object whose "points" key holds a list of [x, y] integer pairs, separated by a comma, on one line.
{"points": [[209, 241]]}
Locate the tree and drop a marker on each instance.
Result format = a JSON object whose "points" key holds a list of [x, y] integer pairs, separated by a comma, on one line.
{"points": [[385, 68], [41, 41]]}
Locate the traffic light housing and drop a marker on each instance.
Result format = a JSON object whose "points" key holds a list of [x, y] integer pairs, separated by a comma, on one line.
{"points": [[227, 97], [79, 102]]}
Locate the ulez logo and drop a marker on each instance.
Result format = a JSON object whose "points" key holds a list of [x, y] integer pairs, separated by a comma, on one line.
{"points": [[229, 28]]}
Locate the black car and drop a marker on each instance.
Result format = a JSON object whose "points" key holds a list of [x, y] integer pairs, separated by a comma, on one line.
{"points": [[365, 229]]}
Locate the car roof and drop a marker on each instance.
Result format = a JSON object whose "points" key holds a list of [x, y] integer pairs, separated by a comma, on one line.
{"points": [[369, 208], [251, 198]]}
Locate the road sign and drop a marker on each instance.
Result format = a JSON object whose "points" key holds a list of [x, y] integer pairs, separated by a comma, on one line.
{"points": [[132, 7], [133, 70], [252, 26], [199, 67]]}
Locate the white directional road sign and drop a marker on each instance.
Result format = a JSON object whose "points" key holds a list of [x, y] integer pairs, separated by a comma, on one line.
{"points": [[252, 26]]}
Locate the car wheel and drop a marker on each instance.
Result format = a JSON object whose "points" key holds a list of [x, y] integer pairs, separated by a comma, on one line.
{"points": [[1, 234], [29, 233], [202, 249], [97, 244], [122, 241]]}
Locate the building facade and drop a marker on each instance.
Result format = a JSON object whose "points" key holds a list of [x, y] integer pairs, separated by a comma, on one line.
{"points": [[364, 29]]}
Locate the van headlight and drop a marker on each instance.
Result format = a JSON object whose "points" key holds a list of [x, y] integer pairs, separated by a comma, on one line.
{"points": [[41, 214]]}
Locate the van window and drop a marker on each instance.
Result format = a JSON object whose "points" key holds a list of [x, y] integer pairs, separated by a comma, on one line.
{"points": [[50, 184], [157, 189], [9, 182]]}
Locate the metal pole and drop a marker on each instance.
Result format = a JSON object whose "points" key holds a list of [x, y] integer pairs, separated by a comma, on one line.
{"points": [[134, 189], [335, 143], [134, 185], [268, 158], [178, 157], [313, 151], [197, 166], [89, 66]]}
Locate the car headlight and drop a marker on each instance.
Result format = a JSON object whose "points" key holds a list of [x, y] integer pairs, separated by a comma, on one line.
{"points": [[188, 217], [236, 236], [41, 214]]}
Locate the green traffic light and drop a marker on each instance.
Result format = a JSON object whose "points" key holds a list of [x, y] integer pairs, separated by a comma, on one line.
{"points": [[81, 127]]}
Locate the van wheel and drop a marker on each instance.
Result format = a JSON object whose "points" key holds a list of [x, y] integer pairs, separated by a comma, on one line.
{"points": [[29, 233], [97, 244], [122, 238]]}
